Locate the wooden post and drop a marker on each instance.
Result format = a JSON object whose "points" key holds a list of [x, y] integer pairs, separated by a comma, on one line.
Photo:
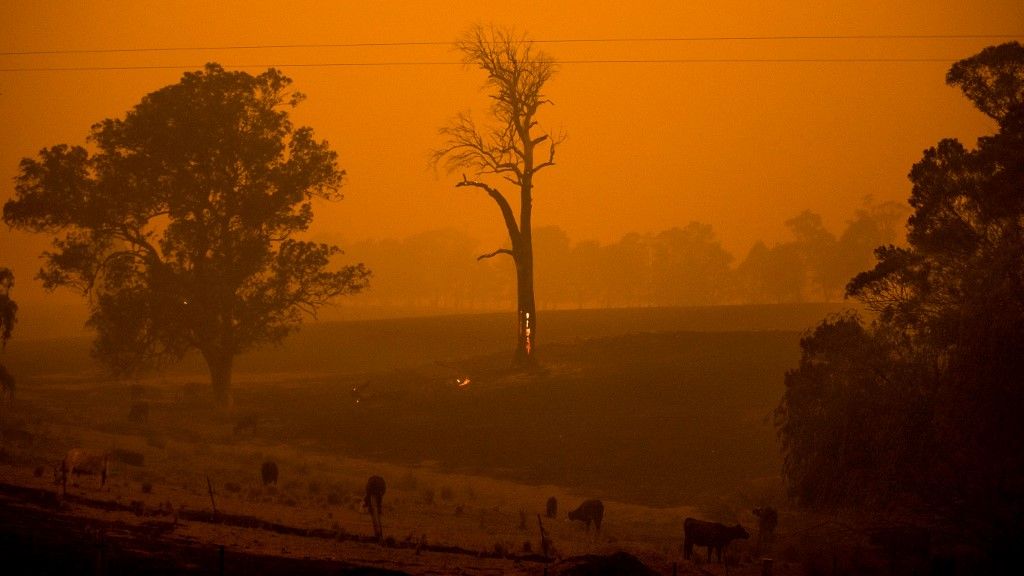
{"points": [[209, 486], [675, 569], [543, 541], [220, 554], [766, 567]]}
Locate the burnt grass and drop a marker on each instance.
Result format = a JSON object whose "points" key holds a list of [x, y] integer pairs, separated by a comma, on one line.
{"points": [[650, 406], [658, 407], [650, 418]]}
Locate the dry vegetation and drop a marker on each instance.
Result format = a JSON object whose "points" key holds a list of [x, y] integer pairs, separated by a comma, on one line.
{"points": [[659, 425]]}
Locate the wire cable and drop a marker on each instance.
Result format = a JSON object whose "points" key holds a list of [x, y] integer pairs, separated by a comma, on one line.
{"points": [[539, 41], [454, 63]]}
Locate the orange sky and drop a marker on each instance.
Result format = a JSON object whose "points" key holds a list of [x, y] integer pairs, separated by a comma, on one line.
{"points": [[741, 146]]}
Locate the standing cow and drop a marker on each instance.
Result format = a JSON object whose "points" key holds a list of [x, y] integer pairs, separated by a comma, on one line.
{"points": [[711, 534], [374, 501], [587, 512], [79, 461]]}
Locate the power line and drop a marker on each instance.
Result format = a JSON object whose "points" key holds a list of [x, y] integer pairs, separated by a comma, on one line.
{"points": [[453, 63], [540, 41]]}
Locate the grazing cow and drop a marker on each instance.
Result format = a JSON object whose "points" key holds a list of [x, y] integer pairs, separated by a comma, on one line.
{"points": [[711, 534], [79, 461], [767, 520], [268, 472], [552, 510], [587, 512], [374, 501]]}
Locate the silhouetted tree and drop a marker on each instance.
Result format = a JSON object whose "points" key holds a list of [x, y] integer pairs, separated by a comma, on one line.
{"points": [[690, 267], [180, 223], [771, 275], [873, 225], [8, 317], [432, 270], [944, 359], [515, 149], [815, 246]]}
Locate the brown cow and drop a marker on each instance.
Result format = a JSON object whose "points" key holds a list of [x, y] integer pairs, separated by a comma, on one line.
{"points": [[587, 512], [79, 461], [711, 534]]}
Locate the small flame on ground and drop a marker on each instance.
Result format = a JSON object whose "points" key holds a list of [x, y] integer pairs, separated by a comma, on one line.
{"points": [[462, 382]]}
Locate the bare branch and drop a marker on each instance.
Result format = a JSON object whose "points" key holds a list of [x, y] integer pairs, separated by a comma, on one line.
{"points": [[503, 205], [496, 252]]}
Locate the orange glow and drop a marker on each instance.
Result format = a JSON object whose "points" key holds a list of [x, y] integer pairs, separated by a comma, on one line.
{"points": [[740, 145]]}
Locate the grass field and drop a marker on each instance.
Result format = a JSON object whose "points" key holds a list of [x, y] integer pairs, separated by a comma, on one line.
{"points": [[660, 412]]}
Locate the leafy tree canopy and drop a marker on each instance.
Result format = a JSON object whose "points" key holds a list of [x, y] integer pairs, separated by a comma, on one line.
{"points": [[925, 403], [180, 221]]}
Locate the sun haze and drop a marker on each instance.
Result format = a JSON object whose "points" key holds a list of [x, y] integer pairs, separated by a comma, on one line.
{"points": [[735, 114]]}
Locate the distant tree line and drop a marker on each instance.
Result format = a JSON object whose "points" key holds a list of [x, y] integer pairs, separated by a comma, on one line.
{"points": [[681, 266]]}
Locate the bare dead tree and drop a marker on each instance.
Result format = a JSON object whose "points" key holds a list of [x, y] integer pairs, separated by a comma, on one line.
{"points": [[513, 148]]}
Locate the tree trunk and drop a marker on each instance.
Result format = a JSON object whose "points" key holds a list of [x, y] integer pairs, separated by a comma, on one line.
{"points": [[526, 333], [220, 365]]}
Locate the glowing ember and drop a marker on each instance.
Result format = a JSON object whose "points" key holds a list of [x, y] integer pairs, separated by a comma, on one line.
{"points": [[462, 382]]}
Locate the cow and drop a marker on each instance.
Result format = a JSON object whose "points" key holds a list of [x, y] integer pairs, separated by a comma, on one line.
{"points": [[374, 502], [268, 472], [587, 512], [767, 520], [79, 461], [552, 508], [711, 534]]}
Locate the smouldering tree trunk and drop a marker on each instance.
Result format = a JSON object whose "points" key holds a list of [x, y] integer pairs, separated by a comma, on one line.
{"points": [[516, 75]]}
